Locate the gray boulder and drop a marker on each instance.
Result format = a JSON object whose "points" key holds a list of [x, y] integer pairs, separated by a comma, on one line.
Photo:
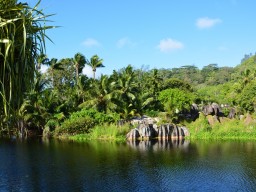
{"points": [[212, 109], [165, 131], [146, 131], [133, 134], [232, 113]]}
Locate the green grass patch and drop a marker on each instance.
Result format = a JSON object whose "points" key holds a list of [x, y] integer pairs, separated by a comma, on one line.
{"points": [[104, 132], [226, 129]]}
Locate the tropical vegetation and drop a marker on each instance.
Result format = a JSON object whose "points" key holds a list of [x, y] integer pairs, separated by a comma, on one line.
{"points": [[64, 101]]}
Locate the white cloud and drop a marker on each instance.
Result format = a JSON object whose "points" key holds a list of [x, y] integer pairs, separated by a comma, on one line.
{"points": [[90, 42], [167, 45], [125, 42], [87, 70], [206, 22]]}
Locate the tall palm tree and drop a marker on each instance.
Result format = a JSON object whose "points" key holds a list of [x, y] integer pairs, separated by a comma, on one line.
{"points": [[22, 39], [54, 65], [79, 62], [95, 62]]}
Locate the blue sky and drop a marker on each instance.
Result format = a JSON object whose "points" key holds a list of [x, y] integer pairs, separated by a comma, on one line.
{"points": [[156, 34]]}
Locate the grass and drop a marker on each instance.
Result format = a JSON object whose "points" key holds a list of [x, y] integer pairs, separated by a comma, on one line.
{"points": [[226, 129], [107, 132]]}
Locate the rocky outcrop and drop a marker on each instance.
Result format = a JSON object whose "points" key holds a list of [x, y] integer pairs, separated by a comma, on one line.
{"points": [[163, 132], [212, 109], [147, 131], [133, 134], [144, 120]]}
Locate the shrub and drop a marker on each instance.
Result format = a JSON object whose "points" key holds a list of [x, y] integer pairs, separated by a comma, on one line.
{"points": [[75, 125], [81, 121], [152, 113], [175, 101]]}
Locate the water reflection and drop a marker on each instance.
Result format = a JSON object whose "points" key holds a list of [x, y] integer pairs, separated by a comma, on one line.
{"points": [[157, 145], [167, 165]]}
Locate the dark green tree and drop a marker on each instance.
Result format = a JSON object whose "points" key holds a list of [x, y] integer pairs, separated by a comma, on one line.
{"points": [[176, 101]]}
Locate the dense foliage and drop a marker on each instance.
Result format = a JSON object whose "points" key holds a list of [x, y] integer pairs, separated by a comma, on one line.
{"points": [[66, 101], [176, 100], [82, 121], [22, 41]]}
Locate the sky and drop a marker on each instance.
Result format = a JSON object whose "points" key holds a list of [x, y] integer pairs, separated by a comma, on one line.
{"points": [[152, 33]]}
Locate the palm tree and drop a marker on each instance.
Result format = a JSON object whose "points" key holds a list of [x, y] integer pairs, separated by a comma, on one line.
{"points": [[22, 40], [95, 62], [54, 65], [101, 95], [125, 92], [33, 111], [79, 62], [151, 95]]}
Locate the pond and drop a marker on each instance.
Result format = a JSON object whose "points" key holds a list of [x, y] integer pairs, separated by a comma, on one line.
{"points": [[52, 165]]}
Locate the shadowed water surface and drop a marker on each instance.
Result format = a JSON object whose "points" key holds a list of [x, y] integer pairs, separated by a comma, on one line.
{"points": [[37, 165]]}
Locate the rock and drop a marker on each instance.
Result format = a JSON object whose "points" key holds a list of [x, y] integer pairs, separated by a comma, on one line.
{"points": [[133, 134], [143, 120], [248, 120], [165, 131], [184, 131], [232, 113], [146, 131], [213, 120], [175, 132], [194, 112], [168, 131], [241, 117], [212, 109]]}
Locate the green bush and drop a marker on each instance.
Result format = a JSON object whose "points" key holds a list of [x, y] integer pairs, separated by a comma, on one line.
{"points": [[175, 100], [152, 113], [75, 125], [98, 117], [81, 121]]}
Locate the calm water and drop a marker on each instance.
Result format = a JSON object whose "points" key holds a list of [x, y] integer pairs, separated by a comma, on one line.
{"points": [[38, 165]]}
